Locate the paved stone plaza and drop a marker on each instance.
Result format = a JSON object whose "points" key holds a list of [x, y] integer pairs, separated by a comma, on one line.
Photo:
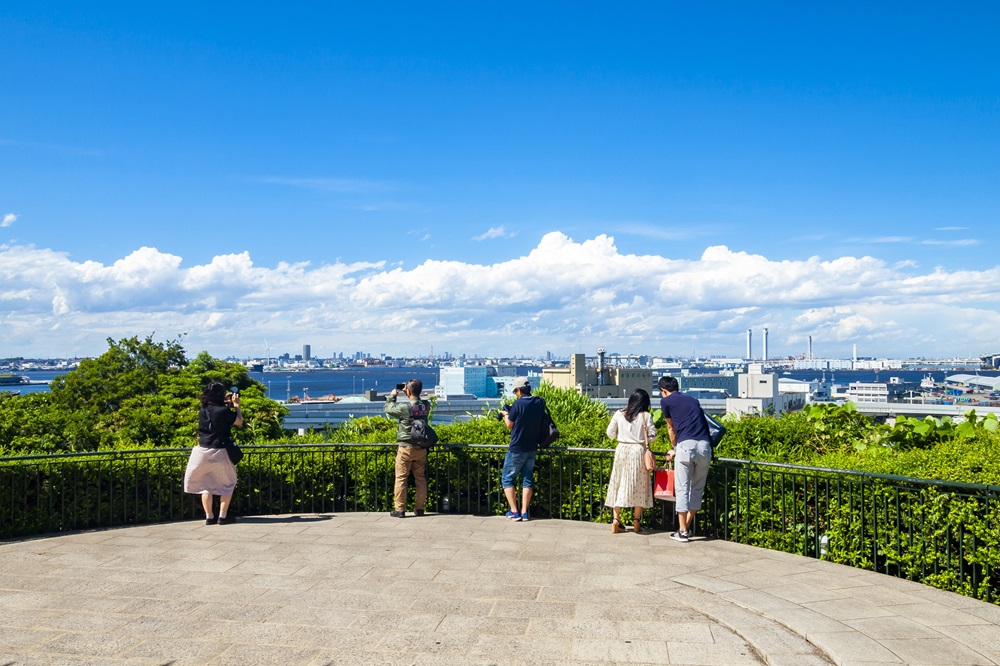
{"points": [[463, 591]]}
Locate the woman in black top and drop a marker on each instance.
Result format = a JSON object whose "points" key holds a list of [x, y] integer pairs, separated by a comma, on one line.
{"points": [[209, 471]]}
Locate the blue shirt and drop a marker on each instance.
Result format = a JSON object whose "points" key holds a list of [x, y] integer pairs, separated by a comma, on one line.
{"points": [[686, 415], [526, 414]]}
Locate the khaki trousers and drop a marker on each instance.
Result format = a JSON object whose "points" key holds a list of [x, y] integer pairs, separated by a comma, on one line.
{"points": [[410, 459]]}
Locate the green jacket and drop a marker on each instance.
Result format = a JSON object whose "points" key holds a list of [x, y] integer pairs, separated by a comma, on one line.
{"points": [[401, 411]]}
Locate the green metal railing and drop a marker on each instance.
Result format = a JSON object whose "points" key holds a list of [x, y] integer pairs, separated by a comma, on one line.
{"points": [[944, 534], [941, 533], [46, 494]]}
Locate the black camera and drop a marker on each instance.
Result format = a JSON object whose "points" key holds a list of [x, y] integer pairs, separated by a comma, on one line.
{"points": [[400, 387], [500, 415]]}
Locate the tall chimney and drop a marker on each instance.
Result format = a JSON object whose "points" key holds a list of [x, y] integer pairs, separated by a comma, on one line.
{"points": [[764, 358], [809, 355], [600, 367], [749, 340]]}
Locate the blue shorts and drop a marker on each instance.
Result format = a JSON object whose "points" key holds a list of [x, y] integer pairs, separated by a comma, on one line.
{"points": [[518, 463]]}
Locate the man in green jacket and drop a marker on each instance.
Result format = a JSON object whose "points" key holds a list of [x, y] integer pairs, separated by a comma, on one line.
{"points": [[409, 457]]}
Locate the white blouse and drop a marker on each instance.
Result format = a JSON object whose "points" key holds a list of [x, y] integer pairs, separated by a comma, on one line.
{"points": [[631, 433]]}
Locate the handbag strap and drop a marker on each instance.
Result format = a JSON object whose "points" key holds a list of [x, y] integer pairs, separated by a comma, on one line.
{"points": [[645, 430]]}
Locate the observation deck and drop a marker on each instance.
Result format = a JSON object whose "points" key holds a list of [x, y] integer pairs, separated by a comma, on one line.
{"points": [[365, 588]]}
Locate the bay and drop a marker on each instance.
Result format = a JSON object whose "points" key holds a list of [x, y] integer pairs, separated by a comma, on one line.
{"points": [[352, 381]]}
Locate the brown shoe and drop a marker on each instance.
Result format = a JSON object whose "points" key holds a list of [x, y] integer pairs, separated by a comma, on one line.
{"points": [[636, 527], [616, 527]]}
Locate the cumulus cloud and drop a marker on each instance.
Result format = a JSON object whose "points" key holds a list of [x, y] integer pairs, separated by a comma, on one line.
{"points": [[8, 219], [564, 295], [494, 232]]}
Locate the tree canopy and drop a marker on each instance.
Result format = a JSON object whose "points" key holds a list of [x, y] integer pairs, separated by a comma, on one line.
{"points": [[139, 393]]}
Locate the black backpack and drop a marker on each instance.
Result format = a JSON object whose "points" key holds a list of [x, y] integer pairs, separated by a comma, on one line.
{"points": [[548, 432], [421, 432]]}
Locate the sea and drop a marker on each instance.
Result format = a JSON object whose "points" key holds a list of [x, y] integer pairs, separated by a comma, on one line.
{"points": [[353, 381]]}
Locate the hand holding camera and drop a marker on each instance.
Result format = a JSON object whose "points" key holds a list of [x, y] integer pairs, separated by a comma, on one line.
{"points": [[232, 399]]}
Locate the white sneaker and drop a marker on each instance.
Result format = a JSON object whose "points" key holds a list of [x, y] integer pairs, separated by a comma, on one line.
{"points": [[680, 536]]}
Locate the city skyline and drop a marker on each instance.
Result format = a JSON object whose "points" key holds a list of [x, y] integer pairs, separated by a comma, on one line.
{"points": [[506, 179]]}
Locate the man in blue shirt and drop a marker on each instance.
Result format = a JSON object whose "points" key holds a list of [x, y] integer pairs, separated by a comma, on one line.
{"points": [[524, 420], [689, 439]]}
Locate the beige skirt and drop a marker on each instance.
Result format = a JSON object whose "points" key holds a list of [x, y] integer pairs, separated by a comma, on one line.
{"points": [[630, 483], [209, 471]]}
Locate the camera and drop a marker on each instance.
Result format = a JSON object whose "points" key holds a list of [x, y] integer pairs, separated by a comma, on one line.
{"points": [[500, 410], [400, 387]]}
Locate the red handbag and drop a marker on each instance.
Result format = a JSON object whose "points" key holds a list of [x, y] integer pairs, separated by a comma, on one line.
{"points": [[663, 484]]}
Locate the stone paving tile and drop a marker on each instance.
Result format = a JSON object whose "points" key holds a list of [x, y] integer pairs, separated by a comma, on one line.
{"points": [[620, 651], [91, 644], [539, 648], [14, 638], [426, 642], [801, 593], [933, 614], [711, 655], [850, 646], [892, 627], [708, 583], [337, 638], [984, 639], [178, 652], [848, 609], [300, 615], [245, 654], [457, 606], [935, 652], [517, 609]]}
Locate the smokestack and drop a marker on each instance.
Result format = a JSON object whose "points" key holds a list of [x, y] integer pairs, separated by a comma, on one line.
{"points": [[764, 358], [749, 340], [809, 355], [600, 367]]}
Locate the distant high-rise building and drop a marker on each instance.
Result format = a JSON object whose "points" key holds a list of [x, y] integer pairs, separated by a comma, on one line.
{"points": [[306, 352]]}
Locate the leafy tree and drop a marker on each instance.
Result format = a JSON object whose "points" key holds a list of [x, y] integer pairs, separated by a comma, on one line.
{"points": [[139, 393]]}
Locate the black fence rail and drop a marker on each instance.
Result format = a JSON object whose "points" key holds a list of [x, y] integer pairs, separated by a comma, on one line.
{"points": [[944, 534], [46, 494], [941, 533]]}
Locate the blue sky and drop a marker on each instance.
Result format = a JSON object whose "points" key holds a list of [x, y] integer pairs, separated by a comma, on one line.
{"points": [[401, 175]]}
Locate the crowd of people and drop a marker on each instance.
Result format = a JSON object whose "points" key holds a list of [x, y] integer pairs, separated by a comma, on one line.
{"points": [[211, 472]]}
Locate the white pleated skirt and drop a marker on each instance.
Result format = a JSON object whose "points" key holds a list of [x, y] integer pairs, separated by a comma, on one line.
{"points": [[209, 471], [630, 483]]}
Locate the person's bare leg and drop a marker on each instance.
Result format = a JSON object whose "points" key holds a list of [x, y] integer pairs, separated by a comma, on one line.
{"points": [[206, 504], [526, 494], [511, 495], [682, 519], [637, 519], [224, 505]]}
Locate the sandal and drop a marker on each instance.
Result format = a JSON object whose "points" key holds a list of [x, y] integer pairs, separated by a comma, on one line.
{"points": [[616, 527]]}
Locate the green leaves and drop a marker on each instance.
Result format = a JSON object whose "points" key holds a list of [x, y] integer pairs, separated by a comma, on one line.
{"points": [[138, 393]]}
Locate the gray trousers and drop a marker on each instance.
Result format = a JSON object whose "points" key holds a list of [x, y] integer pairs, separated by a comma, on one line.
{"points": [[692, 458]]}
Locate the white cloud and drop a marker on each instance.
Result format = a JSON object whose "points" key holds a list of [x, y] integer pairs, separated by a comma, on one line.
{"points": [[8, 219], [564, 295], [495, 232], [961, 242]]}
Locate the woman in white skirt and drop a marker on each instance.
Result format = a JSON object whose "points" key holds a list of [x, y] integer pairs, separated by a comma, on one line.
{"points": [[629, 484], [209, 471]]}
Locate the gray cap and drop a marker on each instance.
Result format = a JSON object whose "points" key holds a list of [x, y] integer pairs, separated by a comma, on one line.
{"points": [[522, 385]]}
